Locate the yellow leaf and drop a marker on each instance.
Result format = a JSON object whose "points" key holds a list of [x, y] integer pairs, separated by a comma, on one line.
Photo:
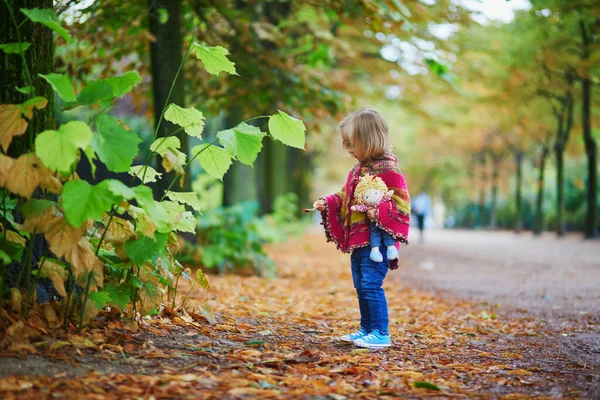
{"points": [[14, 237], [83, 259], [409, 374], [202, 279], [16, 299], [62, 236], [519, 372], [59, 284], [172, 161], [49, 314], [51, 184], [25, 174], [5, 164], [11, 124], [119, 230]]}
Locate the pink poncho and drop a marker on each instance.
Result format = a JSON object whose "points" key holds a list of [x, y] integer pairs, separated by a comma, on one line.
{"points": [[349, 229]]}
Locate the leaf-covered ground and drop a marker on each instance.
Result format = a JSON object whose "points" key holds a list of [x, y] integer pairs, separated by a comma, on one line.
{"points": [[257, 338]]}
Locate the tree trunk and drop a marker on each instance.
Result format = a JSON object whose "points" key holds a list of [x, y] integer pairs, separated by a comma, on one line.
{"points": [[481, 217], [39, 58], [518, 191], [240, 181], [539, 204], [495, 174], [165, 57], [590, 229], [560, 178]]}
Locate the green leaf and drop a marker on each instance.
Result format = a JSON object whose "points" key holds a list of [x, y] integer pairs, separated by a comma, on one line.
{"points": [[38, 102], [244, 141], [116, 146], [36, 208], [161, 145], [14, 48], [58, 150], [138, 171], [119, 189], [119, 295], [215, 160], [101, 299], [255, 342], [91, 156], [62, 85], [425, 385], [145, 248], [202, 279], [190, 119], [163, 15], [215, 59], [25, 90], [180, 219], [12, 250], [47, 17], [94, 92], [189, 198], [82, 201], [288, 130], [121, 85]]}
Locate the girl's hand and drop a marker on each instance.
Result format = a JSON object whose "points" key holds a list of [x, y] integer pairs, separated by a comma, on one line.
{"points": [[319, 205], [371, 214]]}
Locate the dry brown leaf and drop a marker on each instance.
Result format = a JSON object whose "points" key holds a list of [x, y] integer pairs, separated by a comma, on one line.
{"points": [[49, 314], [14, 237], [171, 162], [16, 299], [83, 259], [62, 236], [11, 124], [5, 164], [51, 184], [119, 230], [25, 174], [59, 284]]}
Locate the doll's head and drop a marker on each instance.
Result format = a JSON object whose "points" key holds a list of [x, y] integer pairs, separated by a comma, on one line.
{"points": [[371, 190]]}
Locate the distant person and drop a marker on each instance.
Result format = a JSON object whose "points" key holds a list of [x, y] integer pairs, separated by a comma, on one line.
{"points": [[421, 205], [366, 137]]}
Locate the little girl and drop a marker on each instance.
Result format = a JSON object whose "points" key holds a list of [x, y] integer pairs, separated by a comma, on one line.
{"points": [[365, 135]]}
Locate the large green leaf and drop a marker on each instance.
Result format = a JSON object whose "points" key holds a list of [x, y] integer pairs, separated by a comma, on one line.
{"points": [[288, 130], [47, 17], [121, 85], [101, 299], [138, 171], [145, 248], [119, 294], [244, 141], [62, 85], [82, 201], [190, 119], [189, 198], [215, 59], [116, 146], [58, 150], [119, 189], [180, 219], [215, 160], [95, 92], [14, 48]]}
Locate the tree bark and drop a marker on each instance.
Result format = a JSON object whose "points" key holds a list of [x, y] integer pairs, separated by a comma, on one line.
{"points": [[39, 58], [591, 226], [539, 204], [519, 191], [481, 217], [495, 174], [165, 57]]}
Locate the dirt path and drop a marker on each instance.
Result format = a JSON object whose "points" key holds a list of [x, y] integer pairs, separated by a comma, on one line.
{"points": [[274, 339], [548, 277]]}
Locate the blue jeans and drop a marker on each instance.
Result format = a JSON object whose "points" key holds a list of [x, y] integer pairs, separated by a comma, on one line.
{"points": [[368, 277], [379, 237]]}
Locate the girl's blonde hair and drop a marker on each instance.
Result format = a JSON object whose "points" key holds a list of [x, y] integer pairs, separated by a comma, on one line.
{"points": [[368, 134], [367, 183]]}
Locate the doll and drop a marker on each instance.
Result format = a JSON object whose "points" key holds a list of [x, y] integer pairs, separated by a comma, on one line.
{"points": [[370, 192]]}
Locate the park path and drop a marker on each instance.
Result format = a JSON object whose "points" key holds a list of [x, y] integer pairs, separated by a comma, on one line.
{"points": [[546, 276], [250, 337]]}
